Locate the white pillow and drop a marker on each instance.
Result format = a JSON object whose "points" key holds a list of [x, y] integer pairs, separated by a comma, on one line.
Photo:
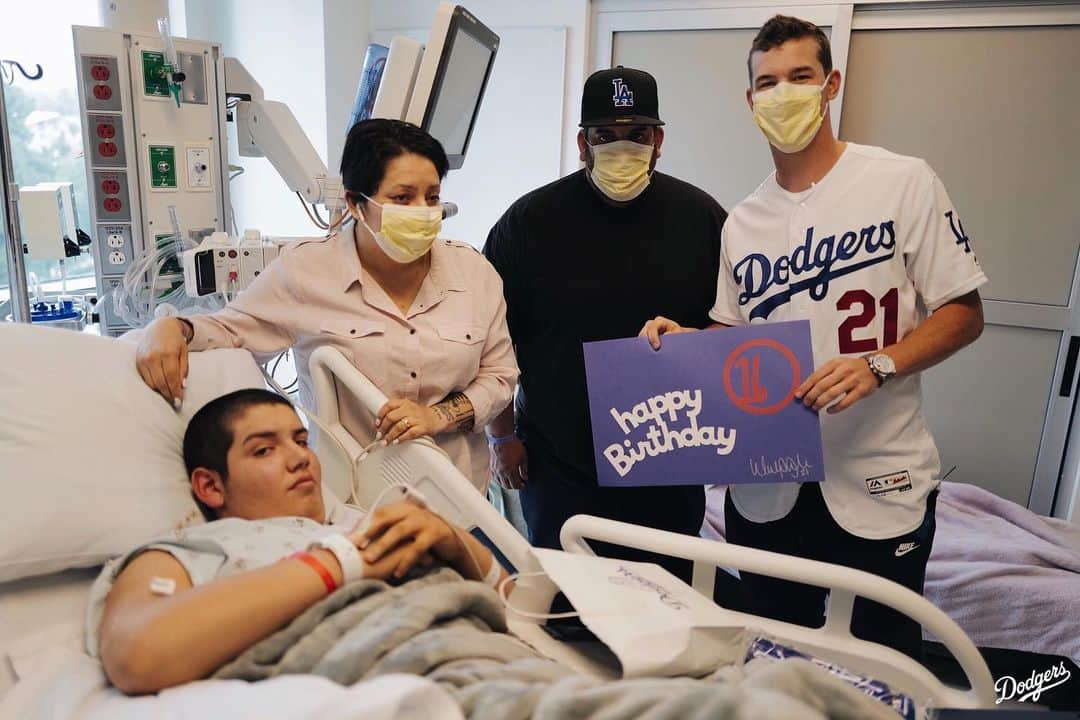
{"points": [[91, 462]]}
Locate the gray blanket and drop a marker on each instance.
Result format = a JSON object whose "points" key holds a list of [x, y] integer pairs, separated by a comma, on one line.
{"points": [[454, 632]]}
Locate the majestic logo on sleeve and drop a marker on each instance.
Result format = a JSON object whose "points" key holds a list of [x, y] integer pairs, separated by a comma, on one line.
{"points": [[624, 97], [811, 266]]}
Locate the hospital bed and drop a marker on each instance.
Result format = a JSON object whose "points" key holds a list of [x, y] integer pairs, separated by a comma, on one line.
{"points": [[41, 616], [422, 465]]}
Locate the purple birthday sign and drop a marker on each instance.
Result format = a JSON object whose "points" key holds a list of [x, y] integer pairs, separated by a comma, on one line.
{"points": [[715, 406]]}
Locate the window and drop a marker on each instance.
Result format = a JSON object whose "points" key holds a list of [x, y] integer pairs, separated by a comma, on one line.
{"points": [[43, 120]]}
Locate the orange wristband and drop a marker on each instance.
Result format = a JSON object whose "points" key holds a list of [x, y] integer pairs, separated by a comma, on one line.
{"points": [[315, 564]]}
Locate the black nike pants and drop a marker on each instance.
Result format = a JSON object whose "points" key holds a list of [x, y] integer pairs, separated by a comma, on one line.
{"points": [[809, 531], [555, 492]]}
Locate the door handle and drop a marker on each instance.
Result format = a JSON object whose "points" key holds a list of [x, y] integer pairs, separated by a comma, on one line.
{"points": [[1070, 367]]}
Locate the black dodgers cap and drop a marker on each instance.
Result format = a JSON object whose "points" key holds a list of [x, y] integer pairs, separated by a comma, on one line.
{"points": [[620, 96]]}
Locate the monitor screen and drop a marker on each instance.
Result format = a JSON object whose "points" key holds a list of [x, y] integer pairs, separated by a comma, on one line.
{"points": [[457, 99], [368, 88]]}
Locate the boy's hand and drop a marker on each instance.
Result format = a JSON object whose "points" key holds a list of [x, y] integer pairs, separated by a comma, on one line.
{"points": [[382, 570], [387, 567], [405, 533]]}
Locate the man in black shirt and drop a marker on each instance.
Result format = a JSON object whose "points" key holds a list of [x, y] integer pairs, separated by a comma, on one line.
{"points": [[592, 256]]}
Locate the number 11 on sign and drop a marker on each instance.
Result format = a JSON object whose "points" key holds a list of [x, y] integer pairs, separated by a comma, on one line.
{"points": [[752, 392]]}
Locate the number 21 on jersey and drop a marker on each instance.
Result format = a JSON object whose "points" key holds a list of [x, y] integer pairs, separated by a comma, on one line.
{"points": [[866, 307]]}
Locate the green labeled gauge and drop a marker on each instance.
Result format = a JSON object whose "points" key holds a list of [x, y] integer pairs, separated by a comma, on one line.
{"points": [[162, 167], [155, 74]]}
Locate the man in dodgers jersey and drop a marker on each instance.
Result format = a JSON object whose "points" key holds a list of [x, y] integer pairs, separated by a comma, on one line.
{"points": [[865, 244]]}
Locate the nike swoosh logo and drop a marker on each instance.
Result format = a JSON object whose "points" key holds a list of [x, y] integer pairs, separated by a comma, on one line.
{"points": [[901, 551]]}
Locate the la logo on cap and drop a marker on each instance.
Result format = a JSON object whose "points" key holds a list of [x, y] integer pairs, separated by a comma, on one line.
{"points": [[623, 97]]}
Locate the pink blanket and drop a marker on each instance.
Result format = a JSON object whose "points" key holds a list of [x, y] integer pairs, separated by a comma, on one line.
{"points": [[1008, 577]]}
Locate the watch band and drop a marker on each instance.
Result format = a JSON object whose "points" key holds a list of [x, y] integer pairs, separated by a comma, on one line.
{"points": [[352, 565], [879, 374]]}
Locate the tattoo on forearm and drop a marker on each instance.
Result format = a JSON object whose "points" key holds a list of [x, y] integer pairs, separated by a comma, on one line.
{"points": [[456, 410]]}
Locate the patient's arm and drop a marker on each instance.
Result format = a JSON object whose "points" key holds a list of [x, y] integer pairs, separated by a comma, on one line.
{"points": [[151, 642]]}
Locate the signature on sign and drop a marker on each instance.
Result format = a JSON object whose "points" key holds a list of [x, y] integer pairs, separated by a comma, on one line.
{"points": [[793, 466]]}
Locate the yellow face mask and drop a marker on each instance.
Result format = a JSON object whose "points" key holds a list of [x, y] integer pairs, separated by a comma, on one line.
{"points": [[790, 115], [407, 232], [621, 169]]}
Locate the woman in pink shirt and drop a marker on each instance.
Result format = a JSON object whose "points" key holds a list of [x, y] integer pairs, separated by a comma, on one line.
{"points": [[422, 318]]}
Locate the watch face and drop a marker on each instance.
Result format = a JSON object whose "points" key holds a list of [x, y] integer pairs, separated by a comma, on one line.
{"points": [[883, 364]]}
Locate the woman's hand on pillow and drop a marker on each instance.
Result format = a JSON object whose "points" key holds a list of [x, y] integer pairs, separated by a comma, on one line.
{"points": [[162, 358], [400, 420]]}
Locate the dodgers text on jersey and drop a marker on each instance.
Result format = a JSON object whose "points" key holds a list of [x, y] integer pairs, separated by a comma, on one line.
{"points": [[811, 266]]}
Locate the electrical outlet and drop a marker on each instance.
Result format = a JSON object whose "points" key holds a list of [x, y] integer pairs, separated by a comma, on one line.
{"points": [[114, 248], [107, 141], [111, 199], [101, 82]]}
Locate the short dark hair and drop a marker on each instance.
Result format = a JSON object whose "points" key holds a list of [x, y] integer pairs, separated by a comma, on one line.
{"points": [[372, 144], [781, 28], [209, 434]]}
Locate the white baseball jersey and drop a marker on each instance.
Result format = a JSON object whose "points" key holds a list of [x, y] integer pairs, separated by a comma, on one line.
{"points": [[863, 255]]}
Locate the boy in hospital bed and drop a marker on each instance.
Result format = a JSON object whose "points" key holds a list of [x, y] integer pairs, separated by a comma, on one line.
{"points": [[177, 608]]}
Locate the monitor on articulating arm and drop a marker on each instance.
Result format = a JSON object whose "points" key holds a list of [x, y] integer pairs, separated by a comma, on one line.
{"points": [[370, 79], [440, 87]]}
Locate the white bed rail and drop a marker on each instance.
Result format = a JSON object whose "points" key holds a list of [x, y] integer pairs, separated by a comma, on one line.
{"points": [[832, 641], [359, 478]]}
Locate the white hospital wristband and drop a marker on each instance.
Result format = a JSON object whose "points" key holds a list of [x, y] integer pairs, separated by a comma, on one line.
{"points": [[352, 565]]}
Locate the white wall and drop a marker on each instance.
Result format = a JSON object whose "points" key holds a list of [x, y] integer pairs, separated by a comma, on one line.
{"points": [[571, 14], [524, 135], [346, 26], [282, 43], [309, 55]]}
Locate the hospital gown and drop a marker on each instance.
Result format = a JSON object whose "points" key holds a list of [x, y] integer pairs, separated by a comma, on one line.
{"points": [[219, 549]]}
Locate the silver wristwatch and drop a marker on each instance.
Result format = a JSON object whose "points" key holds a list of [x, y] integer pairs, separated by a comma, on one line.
{"points": [[882, 366]]}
